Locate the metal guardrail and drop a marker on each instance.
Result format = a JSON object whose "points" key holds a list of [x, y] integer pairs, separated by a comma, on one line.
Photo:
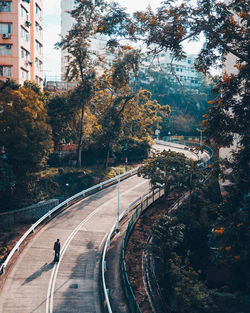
{"points": [[142, 206], [138, 206], [80, 195]]}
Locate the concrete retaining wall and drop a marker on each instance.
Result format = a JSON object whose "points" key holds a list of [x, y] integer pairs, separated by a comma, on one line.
{"points": [[27, 214]]}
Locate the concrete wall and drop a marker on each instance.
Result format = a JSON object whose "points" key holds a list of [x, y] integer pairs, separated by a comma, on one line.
{"points": [[28, 214]]}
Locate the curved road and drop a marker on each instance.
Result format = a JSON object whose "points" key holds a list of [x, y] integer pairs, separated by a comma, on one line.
{"points": [[35, 284]]}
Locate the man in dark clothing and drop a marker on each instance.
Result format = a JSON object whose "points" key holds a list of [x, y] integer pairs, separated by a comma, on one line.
{"points": [[57, 248]]}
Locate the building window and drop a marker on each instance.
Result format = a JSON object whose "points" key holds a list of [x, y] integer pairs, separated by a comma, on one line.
{"points": [[38, 11], [39, 64], [5, 28], [5, 70], [24, 13], [25, 54], [5, 6], [5, 49], [25, 35], [39, 47], [24, 74]]}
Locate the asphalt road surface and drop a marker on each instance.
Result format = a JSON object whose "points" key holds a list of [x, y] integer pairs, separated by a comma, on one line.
{"points": [[35, 284]]}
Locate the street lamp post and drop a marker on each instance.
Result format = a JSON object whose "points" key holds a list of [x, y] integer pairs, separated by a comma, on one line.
{"points": [[126, 156], [157, 133], [200, 130], [118, 202], [169, 136]]}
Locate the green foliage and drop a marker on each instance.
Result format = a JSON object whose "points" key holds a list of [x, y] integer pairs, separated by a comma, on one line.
{"points": [[62, 111], [26, 137], [172, 170], [187, 107], [180, 248], [24, 131], [7, 180], [34, 86], [121, 114]]}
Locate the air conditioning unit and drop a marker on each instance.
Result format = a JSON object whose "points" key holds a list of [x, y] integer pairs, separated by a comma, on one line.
{"points": [[6, 36]]}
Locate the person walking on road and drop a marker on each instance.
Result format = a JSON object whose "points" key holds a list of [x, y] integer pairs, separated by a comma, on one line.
{"points": [[57, 248]]}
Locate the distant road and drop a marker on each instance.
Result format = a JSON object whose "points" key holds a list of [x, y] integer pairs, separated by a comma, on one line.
{"points": [[36, 285]]}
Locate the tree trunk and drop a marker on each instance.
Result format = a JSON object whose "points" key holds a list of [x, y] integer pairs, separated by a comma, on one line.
{"points": [[79, 148], [107, 158]]}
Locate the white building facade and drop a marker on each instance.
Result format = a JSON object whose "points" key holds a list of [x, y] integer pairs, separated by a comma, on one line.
{"points": [[178, 71]]}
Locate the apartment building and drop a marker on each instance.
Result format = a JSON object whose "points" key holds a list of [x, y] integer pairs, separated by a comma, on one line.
{"points": [[21, 40], [178, 71]]}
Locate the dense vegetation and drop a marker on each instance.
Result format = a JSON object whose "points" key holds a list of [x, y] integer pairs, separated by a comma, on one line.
{"points": [[187, 106]]}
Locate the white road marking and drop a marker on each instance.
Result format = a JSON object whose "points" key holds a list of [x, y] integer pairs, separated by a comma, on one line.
{"points": [[52, 281]]}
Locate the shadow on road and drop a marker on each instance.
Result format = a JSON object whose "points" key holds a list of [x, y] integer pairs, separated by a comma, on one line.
{"points": [[45, 268]]}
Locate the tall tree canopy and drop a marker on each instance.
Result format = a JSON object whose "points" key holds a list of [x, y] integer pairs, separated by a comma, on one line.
{"points": [[24, 130], [25, 139], [122, 113], [224, 26], [82, 63]]}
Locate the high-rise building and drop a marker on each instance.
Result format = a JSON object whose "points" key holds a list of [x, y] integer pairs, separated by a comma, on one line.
{"points": [[178, 71], [21, 40]]}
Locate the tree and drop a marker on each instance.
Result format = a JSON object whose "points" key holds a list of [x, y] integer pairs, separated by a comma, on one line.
{"points": [[25, 134], [7, 178], [34, 86], [121, 113], [82, 64], [62, 111], [187, 107], [172, 170]]}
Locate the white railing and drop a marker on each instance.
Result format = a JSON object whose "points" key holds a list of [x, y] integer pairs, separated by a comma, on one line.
{"points": [[81, 194], [107, 244]]}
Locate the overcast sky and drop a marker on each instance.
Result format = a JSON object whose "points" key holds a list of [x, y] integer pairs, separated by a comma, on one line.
{"points": [[52, 27]]}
